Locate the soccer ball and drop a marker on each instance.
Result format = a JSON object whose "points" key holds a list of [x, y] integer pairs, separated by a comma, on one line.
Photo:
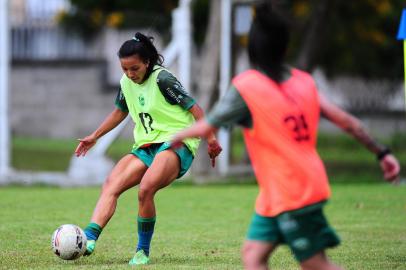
{"points": [[69, 242]]}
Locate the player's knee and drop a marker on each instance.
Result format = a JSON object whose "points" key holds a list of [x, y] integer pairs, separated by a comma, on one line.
{"points": [[145, 194], [109, 188]]}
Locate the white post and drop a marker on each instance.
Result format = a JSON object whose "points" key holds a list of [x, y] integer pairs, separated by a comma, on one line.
{"points": [[183, 31], [225, 76], [4, 66]]}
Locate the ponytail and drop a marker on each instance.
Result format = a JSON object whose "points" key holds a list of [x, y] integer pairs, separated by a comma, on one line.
{"points": [[142, 46]]}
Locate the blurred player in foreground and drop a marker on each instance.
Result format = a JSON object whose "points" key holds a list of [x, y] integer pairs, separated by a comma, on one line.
{"points": [[279, 108], [159, 107]]}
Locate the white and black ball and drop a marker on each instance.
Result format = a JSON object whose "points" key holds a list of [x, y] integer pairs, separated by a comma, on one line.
{"points": [[69, 242]]}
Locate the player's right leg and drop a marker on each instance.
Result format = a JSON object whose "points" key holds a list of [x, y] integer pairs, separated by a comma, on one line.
{"points": [[127, 173], [255, 254], [262, 238]]}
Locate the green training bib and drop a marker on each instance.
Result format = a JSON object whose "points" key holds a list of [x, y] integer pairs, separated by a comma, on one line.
{"points": [[155, 119]]}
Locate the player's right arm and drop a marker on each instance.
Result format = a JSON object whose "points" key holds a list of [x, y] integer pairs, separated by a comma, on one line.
{"points": [[230, 110], [110, 122], [353, 126]]}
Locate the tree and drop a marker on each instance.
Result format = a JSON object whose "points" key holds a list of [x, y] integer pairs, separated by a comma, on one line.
{"points": [[88, 17], [350, 37]]}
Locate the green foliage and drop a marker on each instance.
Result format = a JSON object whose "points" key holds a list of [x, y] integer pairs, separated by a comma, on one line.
{"points": [[198, 227], [359, 37], [88, 17], [200, 20], [366, 42]]}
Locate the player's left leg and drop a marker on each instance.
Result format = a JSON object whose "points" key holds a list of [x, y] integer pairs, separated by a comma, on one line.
{"points": [[262, 238], [163, 171], [255, 254]]}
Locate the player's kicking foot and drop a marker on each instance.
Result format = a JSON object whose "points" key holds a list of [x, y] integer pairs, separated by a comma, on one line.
{"points": [[139, 258], [90, 246]]}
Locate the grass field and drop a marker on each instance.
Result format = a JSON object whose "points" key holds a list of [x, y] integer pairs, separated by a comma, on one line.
{"points": [[198, 227]]}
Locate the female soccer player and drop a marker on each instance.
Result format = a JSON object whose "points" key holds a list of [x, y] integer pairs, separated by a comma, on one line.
{"points": [[279, 108], [159, 107]]}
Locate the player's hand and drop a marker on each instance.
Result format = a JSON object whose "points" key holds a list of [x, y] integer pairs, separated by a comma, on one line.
{"points": [[84, 145], [213, 149], [390, 168], [176, 142]]}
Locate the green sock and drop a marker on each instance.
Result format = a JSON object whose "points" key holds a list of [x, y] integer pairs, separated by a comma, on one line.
{"points": [[145, 232], [93, 231]]}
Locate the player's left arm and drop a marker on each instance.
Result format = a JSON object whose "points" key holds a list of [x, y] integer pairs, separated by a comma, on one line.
{"points": [[353, 126]]}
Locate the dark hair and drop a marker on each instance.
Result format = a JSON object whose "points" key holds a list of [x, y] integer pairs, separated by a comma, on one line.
{"points": [[142, 46], [268, 40]]}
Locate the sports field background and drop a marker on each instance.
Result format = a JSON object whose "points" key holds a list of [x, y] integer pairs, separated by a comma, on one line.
{"points": [[200, 226], [344, 157]]}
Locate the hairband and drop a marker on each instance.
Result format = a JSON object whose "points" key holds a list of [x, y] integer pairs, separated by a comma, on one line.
{"points": [[136, 39]]}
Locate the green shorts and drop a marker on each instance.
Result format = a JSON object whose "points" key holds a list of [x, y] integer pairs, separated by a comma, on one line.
{"points": [[306, 231], [147, 155]]}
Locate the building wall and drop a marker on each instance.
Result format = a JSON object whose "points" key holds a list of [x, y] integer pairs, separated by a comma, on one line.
{"points": [[58, 99]]}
